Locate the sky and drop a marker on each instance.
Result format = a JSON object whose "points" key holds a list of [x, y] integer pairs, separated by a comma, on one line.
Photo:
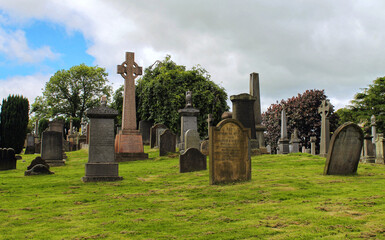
{"points": [[294, 45]]}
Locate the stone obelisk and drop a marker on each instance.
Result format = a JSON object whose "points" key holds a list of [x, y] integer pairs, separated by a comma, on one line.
{"points": [[128, 142], [259, 128]]}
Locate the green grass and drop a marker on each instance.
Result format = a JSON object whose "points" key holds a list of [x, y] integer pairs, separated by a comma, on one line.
{"points": [[287, 198]]}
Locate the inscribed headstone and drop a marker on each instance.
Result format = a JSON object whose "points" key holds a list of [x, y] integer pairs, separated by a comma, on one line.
{"points": [[192, 139], [188, 119], [192, 160], [167, 142], [52, 148], [144, 128]]}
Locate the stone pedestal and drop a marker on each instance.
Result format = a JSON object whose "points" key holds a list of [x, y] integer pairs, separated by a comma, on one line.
{"points": [[380, 144], [312, 145], [294, 141], [369, 155], [243, 111], [101, 164], [188, 117]]}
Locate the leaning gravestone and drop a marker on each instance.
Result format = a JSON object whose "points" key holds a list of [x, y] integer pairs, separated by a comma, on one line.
{"points": [[229, 152], [153, 133], [101, 164], [167, 142], [52, 148], [192, 160], [192, 139], [344, 150]]}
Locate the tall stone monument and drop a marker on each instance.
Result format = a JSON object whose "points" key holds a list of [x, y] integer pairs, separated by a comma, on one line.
{"points": [[101, 164], [259, 128], [369, 153], [128, 142], [324, 110], [283, 143], [188, 119], [243, 111], [373, 125]]}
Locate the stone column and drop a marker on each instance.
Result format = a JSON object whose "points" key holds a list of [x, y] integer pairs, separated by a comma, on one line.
{"points": [[283, 142], [259, 128], [373, 125], [312, 145], [380, 148], [324, 110], [101, 164], [188, 117]]}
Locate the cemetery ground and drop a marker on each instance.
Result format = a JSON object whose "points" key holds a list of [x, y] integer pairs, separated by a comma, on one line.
{"points": [[287, 198]]}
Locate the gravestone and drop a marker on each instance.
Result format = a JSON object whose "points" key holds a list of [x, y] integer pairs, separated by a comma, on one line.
{"points": [[268, 149], [368, 152], [128, 142], [167, 142], [243, 111], [380, 145], [373, 125], [57, 125], [259, 128], [313, 140], [192, 160], [144, 128], [52, 148], [192, 139], [324, 110], [7, 159], [229, 152], [30, 149], [153, 133], [101, 164], [283, 143], [294, 141], [345, 150], [188, 119], [205, 147]]}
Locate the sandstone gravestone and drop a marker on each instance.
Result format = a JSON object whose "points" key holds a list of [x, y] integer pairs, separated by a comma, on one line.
{"points": [[128, 142], [229, 152], [144, 128], [52, 148], [188, 119], [153, 133], [7, 159], [205, 147], [192, 139], [345, 150], [192, 160], [167, 142], [101, 164]]}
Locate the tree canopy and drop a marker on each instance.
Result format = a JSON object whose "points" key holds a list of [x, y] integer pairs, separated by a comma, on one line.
{"points": [[160, 93], [71, 92]]}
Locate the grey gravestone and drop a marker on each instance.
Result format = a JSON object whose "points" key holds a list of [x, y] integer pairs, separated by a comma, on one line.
{"points": [[30, 149], [312, 145], [101, 164], [205, 147], [325, 110], [144, 128], [229, 152], [159, 131], [345, 150], [7, 159], [153, 133], [192, 160], [369, 154], [192, 139], [243, 111], [380, 144], [167, 142], [295, 142], [188, 119], [283, 143], [52, 148], [373, 125]]}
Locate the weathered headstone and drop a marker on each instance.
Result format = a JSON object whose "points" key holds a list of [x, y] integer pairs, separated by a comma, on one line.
{"points": [[192, 160], [167, 142], [144, 128], [153, 133], [313, 140], [192, 139], [243, 111], [324, 110], [294, 141], [380, 147], [7, 159], [188, 119], [30, 149], [229, 152], [128, 142], [345, 150], [38, 169], [259, 128], [369, 154], [283, 143], [57, 125], [52, 148], [101, 164], [205, 147]]}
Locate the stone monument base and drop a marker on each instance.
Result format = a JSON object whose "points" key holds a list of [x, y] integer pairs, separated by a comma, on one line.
{"points": [[129, 142], [283, 145], [368, 160], [126, 157], [263, 150], [55, 163], [100, 172]]}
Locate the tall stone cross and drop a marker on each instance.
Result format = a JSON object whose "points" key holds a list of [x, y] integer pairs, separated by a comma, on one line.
{"points": [[324, 110], [129, 70]]}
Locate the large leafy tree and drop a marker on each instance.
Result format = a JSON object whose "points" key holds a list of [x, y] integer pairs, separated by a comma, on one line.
{"points": [[371, 101], [302, 113], [14, 122], [69, 93], [160, 93]]}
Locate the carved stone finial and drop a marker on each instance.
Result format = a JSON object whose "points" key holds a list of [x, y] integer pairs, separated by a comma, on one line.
{"points": [[103, 101], [188, 99]]}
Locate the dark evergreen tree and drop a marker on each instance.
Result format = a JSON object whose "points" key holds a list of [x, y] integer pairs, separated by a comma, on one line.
{"points": [[14, 122]]}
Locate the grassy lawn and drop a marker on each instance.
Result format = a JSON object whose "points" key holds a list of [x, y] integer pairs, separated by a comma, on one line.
{"points": [[287, 198]]}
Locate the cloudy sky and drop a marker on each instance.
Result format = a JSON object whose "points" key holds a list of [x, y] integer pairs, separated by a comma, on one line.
{"points": [[293, 45]]}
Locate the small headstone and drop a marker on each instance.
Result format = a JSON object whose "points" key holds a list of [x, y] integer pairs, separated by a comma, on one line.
{"points": [[192, 160], [312, 145], [167, 142], [205, 147], [229, 152], [380, 144], [144, 128], [52, 148], [153, 133], [30, 149], [344, 150], [192, 139], [159, 131], [268, 149], [7, 159], [36, 161]]}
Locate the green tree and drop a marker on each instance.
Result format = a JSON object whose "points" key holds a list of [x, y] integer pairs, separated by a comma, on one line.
{"points": [[14, 122], [371, 101], [160, 93], [71, 92]]}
